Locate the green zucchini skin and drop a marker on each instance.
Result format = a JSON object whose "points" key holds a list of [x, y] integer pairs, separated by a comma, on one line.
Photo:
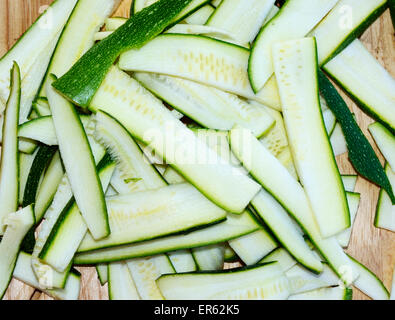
{"points": [[81, 82], [360, 152], [391, 5]]}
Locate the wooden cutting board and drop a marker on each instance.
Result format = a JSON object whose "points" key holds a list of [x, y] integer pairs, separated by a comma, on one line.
{"points": [[373, 247]]}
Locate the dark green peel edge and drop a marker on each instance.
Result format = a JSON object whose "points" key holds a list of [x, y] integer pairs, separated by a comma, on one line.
{"points": [[360, 152], [81, 82], [391, 5]]}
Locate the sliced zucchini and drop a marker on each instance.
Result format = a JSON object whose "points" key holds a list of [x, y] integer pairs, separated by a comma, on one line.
{"points": [[252, 247], [120, 282], [213, 32], [151, 214], [200, 16], [243, 20], [102, 273], [114, 23], [349, 182], [24, 272], [209, 257], [353, 200], [282, 257], [172, 176], [182, 261], [329, 120], [229, 255], [385, 140], [294, 20], [338, 141], [260, 282], [330, 293], [344, 23], [83, 177], [145, 271], [81, 82], [210, 107], [25, 163], [369, 283], [385, 211], [310, 146], [235, 226], [41, 107], [366, 81], [133, 106], [9, 166], [286, 160]]}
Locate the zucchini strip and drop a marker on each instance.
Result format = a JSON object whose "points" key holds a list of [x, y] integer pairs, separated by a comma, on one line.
{"points": [[120, 282], [349, 182], [385, 211], [282, 257], [361, 153], [294, 20], [200, 17], [83, 176], [353, 200], [294, 62], [182, 261], [385, 140], [82, 81], [17, 225], [209, 257], [258, 282], [366, 81], [230, 256], [102, 273], [9, 166], [25, 163], [134, 106], [330, 293], [234, 226]]}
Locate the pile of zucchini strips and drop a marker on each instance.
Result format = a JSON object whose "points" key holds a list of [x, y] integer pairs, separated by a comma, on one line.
{"points": [[196, 133]]}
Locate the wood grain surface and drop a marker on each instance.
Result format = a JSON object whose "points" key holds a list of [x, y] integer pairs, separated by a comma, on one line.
{"points": [[373, 247]]}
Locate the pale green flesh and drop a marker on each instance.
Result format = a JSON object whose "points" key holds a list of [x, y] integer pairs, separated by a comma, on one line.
{"points": [[209, 257], [182, 261], [282, 257], [148, 120], [259, 283], [113, 24], [331, 293], [385, 212], [9, 166], [162, 211], [295, 61], [212, 108], [24, 272], [235, 226], [349, 182], [294, 20], [338, 141], [385, 140], [25, 163], [145, 271], [102, 273], [363, 77], [83, 177], [253, 247], [201, 16], [120, 282], [353, 200]]}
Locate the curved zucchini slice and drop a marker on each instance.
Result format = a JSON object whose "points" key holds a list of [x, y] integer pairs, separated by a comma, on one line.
{"points": [[25, 163], [9, 166], [309, 142], [209, 257], [200, 17], [282, 257], [120, 282], [149, 121], [344, 23], [17, 225], [252, 247], [210, 107], [83, 176], [182, 261], [24, 272], [234, 226], [294, 20], [150, 214], [241, 19], [385, 140], [353, 200], [261, 282], [366, 81], [330, 293], [385, 211]]}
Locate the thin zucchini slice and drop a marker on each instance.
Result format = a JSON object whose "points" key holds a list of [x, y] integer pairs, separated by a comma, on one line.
{"points": [[344, 23], [24, 272], [209, 257], [282, 257], [120, 282], [353, 200], [9, 166], [349, 182], [81, 82], [182, 261], [210, 107], [252, 247], [309, 142], [242, 19], [385, 140], [369, 283], [235, 226], [102, 273], [330, 293], [208, 31], [150, 214], [114, 23], [145, 271], [338, 141], [366, 81], [385, 211], [329, 120], [258, 161], [25, 163], [256, 283], [200, 17], [83, 177], [133, 106], [17, 225], [229, 255], [285, 158], [172, 177], [41, 107], [361, 153], [294, 20]]}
